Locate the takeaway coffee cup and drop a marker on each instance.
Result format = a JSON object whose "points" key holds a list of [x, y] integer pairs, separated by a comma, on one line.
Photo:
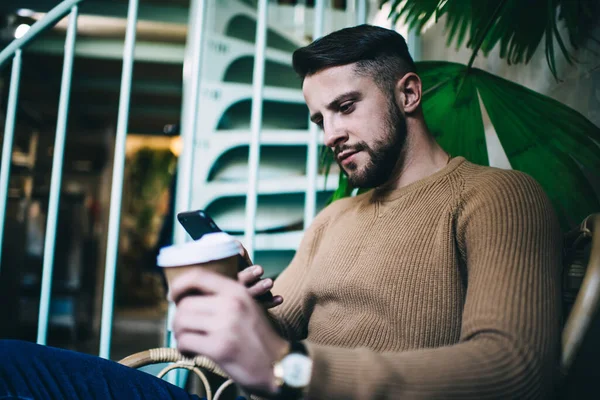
{"points": [[218, 252]]}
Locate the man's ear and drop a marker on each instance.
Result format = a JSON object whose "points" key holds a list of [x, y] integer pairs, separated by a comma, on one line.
{"points": [[408, 92]]}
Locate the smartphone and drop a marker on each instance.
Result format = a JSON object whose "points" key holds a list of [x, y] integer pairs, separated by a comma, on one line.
{"points": [[197, 224]]}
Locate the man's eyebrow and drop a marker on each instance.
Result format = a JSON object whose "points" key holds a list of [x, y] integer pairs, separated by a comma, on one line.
{"points": [[335, 103]]}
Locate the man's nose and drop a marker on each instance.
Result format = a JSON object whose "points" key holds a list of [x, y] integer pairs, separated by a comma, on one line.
{"points": [[334, 136]]}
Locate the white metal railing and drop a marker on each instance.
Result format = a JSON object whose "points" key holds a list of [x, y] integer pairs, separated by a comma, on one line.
{"points": [[14, 50], [312, 161], [9, 132], [190, 127], [192, 67], [361, 13], [116, 191], [258, 79], [56, 179]]}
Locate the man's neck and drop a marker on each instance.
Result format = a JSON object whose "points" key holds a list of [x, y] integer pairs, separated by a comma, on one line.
{"points": [[422, 156]]}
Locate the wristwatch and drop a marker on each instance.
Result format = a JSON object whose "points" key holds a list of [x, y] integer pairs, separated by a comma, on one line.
{"points": [[293, 371]]}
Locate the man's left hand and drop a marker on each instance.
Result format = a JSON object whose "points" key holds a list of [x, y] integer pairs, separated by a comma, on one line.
{"points": [[216, 317]]}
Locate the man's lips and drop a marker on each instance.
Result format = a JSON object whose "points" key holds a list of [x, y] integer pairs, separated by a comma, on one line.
{"points": [[346, 156]]}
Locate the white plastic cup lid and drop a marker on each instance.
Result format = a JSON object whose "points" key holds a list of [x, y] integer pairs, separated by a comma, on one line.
{"points": [[210, 247]]}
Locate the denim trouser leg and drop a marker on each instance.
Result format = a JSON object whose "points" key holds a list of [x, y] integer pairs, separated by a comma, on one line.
{"points": [[29, 371]]}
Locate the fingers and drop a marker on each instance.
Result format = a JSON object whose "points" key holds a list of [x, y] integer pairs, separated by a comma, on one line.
{"points": [[196, 314], [260, 287], [198, 307], [207, 282], [200, 280], [189, 344], [250, 275], [277, 300]]}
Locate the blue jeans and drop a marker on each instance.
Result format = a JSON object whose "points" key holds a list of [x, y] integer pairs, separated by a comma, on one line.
{"points": [[29, 371]]}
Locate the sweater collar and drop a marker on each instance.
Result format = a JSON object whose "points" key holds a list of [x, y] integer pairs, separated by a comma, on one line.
{"points": [[400, 192]]}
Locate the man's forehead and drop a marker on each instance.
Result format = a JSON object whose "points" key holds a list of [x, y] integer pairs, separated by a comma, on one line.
{"points": [[327, 75], [322, 87]]}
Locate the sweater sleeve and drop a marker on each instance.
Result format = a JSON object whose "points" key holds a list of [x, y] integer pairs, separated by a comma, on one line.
{"points": [[290, 319], [509, 344]]}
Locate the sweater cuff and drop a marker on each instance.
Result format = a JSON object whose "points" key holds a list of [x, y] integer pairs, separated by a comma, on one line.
{"points": [[335, 372]]}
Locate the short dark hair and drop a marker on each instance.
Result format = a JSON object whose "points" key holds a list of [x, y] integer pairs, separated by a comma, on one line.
{"points": [[378, 52]]}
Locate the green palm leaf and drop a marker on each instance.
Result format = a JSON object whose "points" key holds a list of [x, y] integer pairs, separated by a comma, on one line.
{"points": [[540, 136], [518, 26], [548, 140], [455, 122], [344, 189]]}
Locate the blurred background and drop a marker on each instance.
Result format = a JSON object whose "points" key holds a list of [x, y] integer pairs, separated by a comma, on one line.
{"points": [[153, 145]]}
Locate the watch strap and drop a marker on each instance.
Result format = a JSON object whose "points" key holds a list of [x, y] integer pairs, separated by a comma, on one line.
{"points": [[298, 347]]}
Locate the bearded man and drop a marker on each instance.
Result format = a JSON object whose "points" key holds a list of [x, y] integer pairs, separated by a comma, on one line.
{"points": [[440, 282]]}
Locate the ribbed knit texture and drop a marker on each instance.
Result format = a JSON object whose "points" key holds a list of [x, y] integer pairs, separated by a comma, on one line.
{"points": [[445, 288]]}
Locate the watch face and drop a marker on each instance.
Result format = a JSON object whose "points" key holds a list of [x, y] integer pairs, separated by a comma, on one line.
{"points": [[297, 369]]}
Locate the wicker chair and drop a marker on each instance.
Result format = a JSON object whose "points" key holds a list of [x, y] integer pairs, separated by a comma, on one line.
{"points": [[581, 290], [199, 365]]}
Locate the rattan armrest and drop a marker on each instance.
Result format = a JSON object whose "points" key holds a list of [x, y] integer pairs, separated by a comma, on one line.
{"points": [[177, 360], [168, 355], [588, 300]]}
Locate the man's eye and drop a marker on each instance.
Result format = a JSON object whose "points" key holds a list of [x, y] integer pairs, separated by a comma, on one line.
{"points": [[347, 107], [319, 124]]}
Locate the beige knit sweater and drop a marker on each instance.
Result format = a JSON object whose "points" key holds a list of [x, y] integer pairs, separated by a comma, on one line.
{"points": [[445, 288]]}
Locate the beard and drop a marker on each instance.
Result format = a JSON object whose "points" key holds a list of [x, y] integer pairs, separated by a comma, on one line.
{"points": [[384, 155]]}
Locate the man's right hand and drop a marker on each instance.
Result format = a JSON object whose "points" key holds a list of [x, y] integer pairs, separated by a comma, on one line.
{"points": [[251, 278]]}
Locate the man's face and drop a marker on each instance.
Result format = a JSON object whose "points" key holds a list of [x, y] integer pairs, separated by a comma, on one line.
{"points": [[362, 124]]}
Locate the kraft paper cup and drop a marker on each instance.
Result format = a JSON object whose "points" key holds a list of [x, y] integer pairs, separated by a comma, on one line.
{"points": [[218, 252]]}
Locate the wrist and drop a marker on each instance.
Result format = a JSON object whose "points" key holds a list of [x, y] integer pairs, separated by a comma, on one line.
{"points": [[282, 350], [293, 372]]}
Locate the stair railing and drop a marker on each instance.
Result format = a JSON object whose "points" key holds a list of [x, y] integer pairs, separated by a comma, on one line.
{"points": [[14, 51]]}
